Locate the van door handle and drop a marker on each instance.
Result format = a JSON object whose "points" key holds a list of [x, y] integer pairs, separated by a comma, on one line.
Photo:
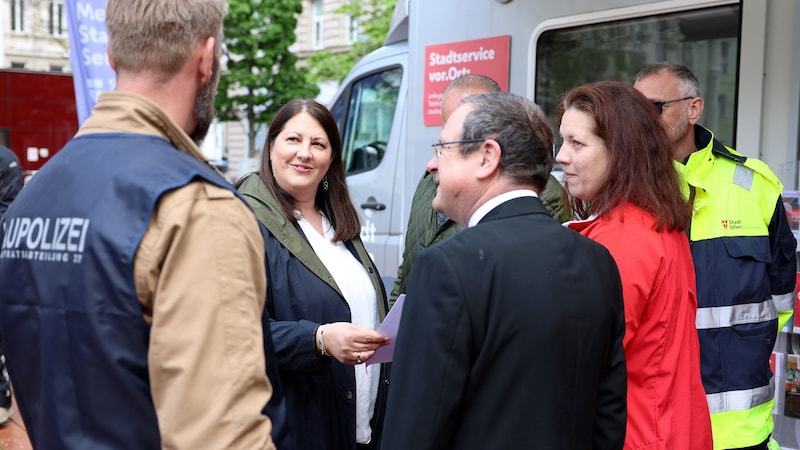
{"points": [[373, 205]]}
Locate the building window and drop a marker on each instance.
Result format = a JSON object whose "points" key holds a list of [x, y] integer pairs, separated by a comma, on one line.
{"points": [[57, 26], [17, 15], [352, 27], [56, 68], [318, 25], [17, 65]]}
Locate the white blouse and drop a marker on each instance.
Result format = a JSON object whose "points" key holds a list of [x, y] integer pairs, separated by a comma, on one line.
{"points": [[356, 287]]}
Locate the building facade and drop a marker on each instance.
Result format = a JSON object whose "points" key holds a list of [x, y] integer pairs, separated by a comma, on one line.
{"points": [[319, 27], [34, 37]]}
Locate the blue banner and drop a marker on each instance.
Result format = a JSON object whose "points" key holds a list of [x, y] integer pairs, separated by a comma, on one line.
{"points": [[91, 71]]}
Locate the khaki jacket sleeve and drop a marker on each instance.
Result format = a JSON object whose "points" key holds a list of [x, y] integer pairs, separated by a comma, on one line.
{"points": [[200, 278]]}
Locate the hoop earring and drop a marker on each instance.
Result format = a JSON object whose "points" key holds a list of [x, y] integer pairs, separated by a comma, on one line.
{"points": [[325, 183]]}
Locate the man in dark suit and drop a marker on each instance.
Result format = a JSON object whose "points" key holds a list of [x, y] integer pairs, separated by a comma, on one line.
{"points": [[511, 335]]}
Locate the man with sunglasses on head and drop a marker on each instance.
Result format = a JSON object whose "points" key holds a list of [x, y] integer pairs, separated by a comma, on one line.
{"points": [[744, 258]]}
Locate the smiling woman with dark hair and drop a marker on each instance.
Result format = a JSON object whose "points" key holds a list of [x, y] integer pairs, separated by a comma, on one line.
{"points": [[325, 296]]}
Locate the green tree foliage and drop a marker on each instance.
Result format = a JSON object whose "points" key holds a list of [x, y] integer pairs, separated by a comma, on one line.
{"points": [[261, 73], [373, 18]]}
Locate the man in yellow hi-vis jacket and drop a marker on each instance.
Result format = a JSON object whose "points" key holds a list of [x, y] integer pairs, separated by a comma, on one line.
{"points": [[744, 257]]}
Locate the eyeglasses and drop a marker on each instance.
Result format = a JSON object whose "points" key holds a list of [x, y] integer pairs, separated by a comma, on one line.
{"points": [[660, 105], [439, 146]]}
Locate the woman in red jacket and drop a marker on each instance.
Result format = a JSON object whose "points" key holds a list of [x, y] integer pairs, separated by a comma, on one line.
{"points": [[619, 174]]}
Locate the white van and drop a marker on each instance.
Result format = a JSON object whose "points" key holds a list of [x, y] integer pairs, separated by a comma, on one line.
{"points": [[745, 55], [387, 106], [370, 110]]}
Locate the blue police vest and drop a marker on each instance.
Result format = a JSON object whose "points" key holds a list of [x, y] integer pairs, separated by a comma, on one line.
{"points": [[76, 340]]}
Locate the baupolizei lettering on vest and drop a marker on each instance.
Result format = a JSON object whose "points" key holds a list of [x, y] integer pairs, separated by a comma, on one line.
{"points": [[45, 239]]}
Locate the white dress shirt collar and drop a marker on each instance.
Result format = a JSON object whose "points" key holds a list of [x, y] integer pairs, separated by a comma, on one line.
{"points": [[494, 202]]}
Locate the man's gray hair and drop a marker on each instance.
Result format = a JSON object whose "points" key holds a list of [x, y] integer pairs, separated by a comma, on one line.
{"points": [[689, 84], [520, 127]]}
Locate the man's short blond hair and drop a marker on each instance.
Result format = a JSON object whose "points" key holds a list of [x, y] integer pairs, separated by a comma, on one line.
{"points": [[159, 35]]}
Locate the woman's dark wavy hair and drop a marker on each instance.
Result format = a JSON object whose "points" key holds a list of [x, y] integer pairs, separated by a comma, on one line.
{"points": [[641, 167], [335, 202]]}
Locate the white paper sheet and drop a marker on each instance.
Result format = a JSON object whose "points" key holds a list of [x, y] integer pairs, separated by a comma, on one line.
{"points": [[389, 327]]}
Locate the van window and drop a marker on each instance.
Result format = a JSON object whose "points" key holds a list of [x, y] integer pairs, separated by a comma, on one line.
{"points": [[706, 40], [364, 113]]}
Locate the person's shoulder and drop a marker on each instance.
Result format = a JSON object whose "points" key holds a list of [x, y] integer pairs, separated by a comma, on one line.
{"points": [[249, 183], [8, 159], [763, 170], [203, 204], [263, 203], [581, 243], [464, 240], [6, 153], [584, 240], [425, 186], [254, 190], [629, 229], [199, 190], [723, 153], [553, 186], [512, 225], [634, 217], [553, 191]]}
